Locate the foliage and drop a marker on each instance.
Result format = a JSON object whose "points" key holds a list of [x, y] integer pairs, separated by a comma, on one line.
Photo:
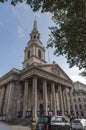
{"points": [[83, 73], [69, 34]]}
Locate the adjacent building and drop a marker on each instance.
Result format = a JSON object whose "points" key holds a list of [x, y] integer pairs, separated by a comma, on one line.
{"points": [[39, 88], [79, 99]]}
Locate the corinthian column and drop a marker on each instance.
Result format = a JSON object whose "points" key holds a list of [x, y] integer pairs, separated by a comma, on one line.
{"points": [[53, 98], [45, 96], [68, 102], [64, 100], [34, 97], [6, 99], [2, 99], [57, 101], [61, 99], [72, 101], [25, 101], [10, 100], [19, 87]]}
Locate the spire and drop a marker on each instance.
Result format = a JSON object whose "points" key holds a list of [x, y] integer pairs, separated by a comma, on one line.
{"points": [[35, 24], [35, 35]]}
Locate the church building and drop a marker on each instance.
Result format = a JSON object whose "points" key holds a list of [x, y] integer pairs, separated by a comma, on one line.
{"points": [[39, 88]]}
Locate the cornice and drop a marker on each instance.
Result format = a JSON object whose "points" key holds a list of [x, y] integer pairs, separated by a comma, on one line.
{"points": [[34, 44], [14, 74], [36, 58], [31, 71]]}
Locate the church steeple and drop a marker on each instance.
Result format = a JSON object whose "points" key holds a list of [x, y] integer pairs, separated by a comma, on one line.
{"points": [[35, 35], [35, 28], [34, 52]]}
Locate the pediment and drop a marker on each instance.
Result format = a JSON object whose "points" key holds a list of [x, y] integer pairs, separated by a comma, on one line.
{"points": [[55, 69]]}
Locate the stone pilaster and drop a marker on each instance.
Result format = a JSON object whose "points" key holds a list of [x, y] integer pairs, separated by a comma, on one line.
{"points": [[54, 98], [10, 100], [34, 97], [25, 101], [2, 99], [61, 99], [45, 96]]}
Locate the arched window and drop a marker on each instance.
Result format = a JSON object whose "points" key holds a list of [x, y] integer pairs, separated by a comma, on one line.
{"points": [[34, 36], [39, 53], [28, 53]]}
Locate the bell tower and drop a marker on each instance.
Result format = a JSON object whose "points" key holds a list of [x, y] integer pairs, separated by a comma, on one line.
{"points": [[34, 53]]}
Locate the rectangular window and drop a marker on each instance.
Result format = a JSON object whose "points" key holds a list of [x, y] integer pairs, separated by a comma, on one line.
{"points": [[74, 100], [75, 106], [80, 106], [79, 99]]}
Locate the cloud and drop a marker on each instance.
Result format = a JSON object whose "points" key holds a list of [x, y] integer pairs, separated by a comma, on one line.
{"points": [[74, 74], [78, 78]]}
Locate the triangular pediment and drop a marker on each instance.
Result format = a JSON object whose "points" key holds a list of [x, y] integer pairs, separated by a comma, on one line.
{"points": [[55, 69]]}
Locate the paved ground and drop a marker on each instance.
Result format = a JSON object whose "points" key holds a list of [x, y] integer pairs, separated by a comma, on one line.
{"points": [[4, 126], [19, 128]]}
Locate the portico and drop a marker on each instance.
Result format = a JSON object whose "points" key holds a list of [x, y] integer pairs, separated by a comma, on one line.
{"points": [[51, 94]]}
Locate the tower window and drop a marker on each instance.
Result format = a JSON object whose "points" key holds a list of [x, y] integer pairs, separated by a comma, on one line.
{"points": [[28, 53], [39, 53], [34, 36]]}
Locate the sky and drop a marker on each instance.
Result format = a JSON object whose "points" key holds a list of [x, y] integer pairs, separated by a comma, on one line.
{"points": [[16, 23]]}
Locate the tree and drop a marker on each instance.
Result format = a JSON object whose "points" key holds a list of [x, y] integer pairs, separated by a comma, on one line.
{"points": [[68, 36]]}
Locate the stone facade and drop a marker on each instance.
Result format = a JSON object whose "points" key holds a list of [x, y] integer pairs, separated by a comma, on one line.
{"points": [[79, 99], [39, 88]]}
